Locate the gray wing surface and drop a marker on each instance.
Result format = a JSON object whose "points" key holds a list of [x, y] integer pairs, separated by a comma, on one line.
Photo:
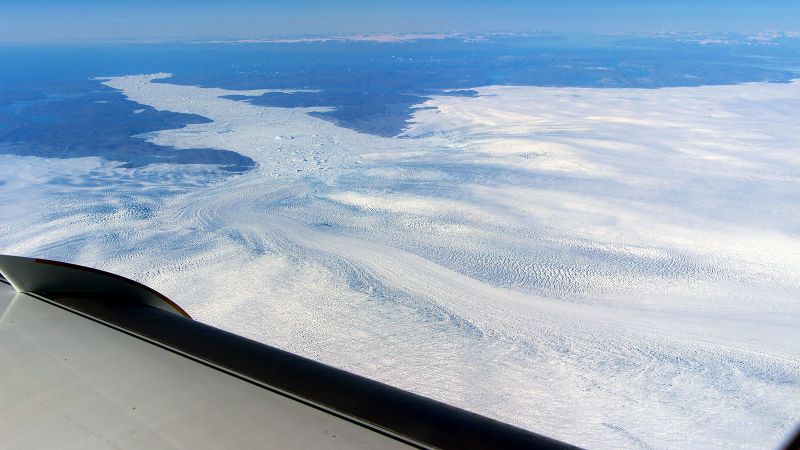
{"points": [[92, 360]]}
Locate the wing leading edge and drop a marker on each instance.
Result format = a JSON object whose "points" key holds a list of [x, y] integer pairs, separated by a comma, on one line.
{"points": [[88, 361]]}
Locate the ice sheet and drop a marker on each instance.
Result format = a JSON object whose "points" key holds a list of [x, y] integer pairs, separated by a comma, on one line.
{"points": [[610, 267]]}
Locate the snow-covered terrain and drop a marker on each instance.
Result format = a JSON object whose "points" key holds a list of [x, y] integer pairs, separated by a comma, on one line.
{"points": [[610, 267]]}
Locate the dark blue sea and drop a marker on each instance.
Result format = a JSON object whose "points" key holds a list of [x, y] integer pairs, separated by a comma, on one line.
{"points": [[51, 106]]}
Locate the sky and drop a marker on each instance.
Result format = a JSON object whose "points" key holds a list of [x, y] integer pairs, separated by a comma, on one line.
{"points": [[95, 20]]}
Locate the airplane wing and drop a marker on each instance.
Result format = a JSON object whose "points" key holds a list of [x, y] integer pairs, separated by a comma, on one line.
{"points": [[89, 359]]}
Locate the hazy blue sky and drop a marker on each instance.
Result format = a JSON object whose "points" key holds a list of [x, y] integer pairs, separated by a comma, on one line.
{"points": [[42, 20]]}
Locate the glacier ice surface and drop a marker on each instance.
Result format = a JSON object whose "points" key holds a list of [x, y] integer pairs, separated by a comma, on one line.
{"points": [[610, 267]]}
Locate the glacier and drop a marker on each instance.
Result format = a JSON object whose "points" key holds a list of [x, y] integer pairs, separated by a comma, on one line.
{"points": [[609, 267]]}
